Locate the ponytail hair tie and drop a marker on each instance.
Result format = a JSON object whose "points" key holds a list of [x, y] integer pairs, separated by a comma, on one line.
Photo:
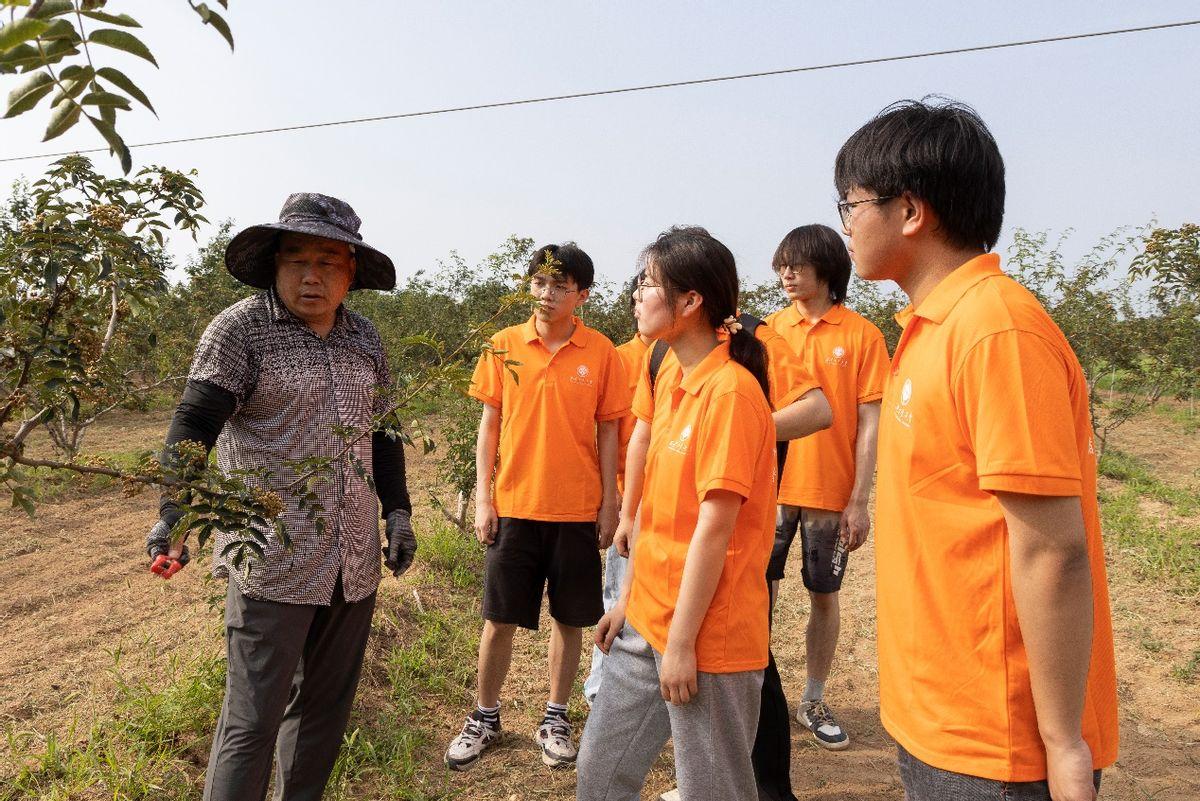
{"points": [[731, 325]]}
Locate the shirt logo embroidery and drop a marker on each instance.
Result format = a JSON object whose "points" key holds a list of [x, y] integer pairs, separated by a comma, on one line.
{"points": [[680, 445], [581, 376], [838, 357], [903, 415]]}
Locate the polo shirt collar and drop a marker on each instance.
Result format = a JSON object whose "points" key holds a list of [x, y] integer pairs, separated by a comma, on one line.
{"points": [[946, 295], [834, 316], [578, 338], [694, 381]]}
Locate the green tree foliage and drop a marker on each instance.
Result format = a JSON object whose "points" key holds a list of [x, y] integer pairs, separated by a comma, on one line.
{"points": [[55, 47], [1141, 344], [79, 254]]}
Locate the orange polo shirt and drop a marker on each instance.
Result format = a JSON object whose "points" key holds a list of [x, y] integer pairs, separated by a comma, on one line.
{"points": [[548, 466], [787, 376], [984, 394], [632, 354], [846, 353], [711, 430]]}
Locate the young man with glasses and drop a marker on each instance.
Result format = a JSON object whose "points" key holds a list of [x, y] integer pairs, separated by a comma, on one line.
{"points": [[996, 668], [549, 432], [827, 477]]}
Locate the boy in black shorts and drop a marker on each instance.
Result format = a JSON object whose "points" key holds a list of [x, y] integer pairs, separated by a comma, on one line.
{"points": [[553, 427]]}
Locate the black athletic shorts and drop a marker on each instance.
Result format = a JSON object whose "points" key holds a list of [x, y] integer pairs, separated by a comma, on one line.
{"points": [[532, 557], [824, 554]]}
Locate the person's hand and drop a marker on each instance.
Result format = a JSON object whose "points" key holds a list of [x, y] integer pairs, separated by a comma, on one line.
{"points": [[1069, 771], [855, 526], [606, 522], [401, 542], [486, 522], [621, 538], [166, 558], [677, 675], [609, 627]]}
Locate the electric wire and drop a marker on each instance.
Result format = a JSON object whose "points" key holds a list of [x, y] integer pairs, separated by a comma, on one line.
{"points": [[627, 89]]}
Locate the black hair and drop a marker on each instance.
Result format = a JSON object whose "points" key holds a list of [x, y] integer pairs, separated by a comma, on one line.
{"points": [[568, 259], [632, 287], [939, 151], [821, 247], [690, 259]]}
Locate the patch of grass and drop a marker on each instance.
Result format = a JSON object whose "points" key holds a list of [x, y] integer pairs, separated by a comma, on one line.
{"points": [[453, 556], [144, 749], [1188, 671], [1136, 474], [1160, 549], [1149, 642], [380, 758], [1185, 416]]}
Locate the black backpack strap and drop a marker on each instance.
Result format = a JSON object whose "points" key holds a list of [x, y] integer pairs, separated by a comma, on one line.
{"points": [[657, 354], [750, 322]]}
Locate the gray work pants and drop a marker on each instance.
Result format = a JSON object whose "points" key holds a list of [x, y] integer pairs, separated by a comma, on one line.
{"points": [[293, 671], [630, 723]]}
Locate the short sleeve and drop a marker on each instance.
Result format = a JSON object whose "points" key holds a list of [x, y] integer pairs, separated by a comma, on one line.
{"points": [[729, 443], [614, 399], [789, 378], [873, 369], [643, 395], [487, 382], [223, 357], [1013, 399]]}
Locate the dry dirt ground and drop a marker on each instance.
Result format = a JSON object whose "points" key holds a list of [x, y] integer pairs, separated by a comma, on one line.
{"points": [[75, 599]]}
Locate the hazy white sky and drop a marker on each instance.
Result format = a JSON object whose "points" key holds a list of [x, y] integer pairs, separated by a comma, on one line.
{"points": [[1096, 134]]}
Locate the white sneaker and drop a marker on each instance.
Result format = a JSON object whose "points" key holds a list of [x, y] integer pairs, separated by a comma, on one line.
{"points": [[475, 738], [554, 738], [818, 718], [670, 795]]}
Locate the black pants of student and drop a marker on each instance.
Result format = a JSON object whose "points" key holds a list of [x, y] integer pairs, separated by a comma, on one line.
{"points": [[293, 672], [772, 755]]}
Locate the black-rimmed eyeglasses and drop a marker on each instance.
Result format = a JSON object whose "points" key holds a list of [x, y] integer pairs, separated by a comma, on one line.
{"points": [[846, 207]]}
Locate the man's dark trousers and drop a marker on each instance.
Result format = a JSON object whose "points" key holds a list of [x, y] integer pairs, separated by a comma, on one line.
{"points": [[293, 671]]}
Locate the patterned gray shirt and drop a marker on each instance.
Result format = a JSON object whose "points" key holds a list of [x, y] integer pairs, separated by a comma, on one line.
{"points": [[292, 387]]}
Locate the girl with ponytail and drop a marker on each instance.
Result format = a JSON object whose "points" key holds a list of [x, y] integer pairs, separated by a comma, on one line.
{"points": [[687, 641]]}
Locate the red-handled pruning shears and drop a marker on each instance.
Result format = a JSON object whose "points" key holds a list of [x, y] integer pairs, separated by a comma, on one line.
{"points": [[167, 566]]}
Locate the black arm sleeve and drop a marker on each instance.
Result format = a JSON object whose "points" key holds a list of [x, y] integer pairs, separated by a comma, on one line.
{"points": [[387, 464], [200, 416]]}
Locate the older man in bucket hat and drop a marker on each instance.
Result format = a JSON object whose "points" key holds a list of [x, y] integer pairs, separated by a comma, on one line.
{"points": [[272, 377]]}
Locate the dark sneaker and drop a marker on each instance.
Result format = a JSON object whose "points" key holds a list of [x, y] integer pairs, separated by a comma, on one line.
{"points": [[475, 738], [554, 738], [818, 718]]}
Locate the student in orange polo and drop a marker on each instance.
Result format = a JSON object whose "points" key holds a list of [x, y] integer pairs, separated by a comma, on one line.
{"points": [[827, 477], [800, 408], [996, 670], [687, 642], [553, 503]]}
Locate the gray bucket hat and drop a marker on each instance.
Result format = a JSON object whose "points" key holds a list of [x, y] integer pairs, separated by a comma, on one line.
{"points": [[250, 256]]}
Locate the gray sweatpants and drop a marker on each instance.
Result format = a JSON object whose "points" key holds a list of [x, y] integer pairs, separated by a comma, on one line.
{"points": [[293, 672], [630, 723]]}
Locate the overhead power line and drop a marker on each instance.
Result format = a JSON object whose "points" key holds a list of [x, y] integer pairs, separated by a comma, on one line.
{"points": [[629, 89]]}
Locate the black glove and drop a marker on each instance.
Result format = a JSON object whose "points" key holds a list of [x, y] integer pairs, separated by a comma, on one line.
{"points": [[401, 542], [158, 543]]}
